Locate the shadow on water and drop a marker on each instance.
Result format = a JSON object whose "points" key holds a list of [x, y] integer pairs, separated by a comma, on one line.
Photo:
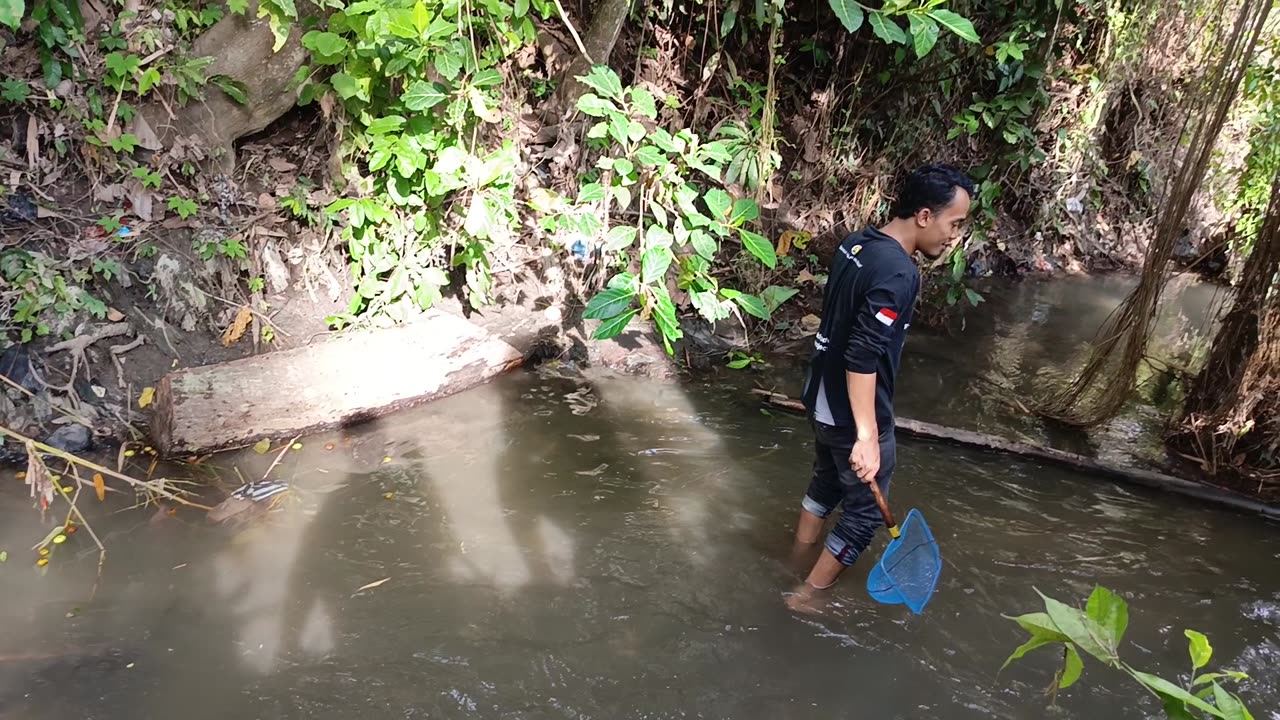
{"points": [[609, 548]]}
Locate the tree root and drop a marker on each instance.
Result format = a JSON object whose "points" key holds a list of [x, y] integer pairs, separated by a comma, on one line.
{"points": [[77, 347]]}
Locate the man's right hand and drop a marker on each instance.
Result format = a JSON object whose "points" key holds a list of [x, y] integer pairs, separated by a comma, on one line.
{"points": [[865, 459]]}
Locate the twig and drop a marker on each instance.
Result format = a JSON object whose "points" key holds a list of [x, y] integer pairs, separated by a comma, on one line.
{"points": [[280, 456], [117, 351], [78, 418], [76, 346], [264, 318], [150, 487], [574, 32]]}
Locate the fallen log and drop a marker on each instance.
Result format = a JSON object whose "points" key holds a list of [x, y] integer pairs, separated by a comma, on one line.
{"points": [[992, 443], [348, 380]]}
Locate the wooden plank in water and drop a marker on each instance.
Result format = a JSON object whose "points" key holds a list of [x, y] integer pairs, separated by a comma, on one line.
{"points": [[349, 379]]}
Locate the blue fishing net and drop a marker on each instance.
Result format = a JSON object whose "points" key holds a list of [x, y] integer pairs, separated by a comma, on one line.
{"points": [[908, 572]]}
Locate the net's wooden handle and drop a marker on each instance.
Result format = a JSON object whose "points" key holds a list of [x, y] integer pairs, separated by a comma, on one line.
{"points": [[884, 507]]}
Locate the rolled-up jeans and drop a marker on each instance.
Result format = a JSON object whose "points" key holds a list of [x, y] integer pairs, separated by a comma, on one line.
{"points": [[835, 483]]}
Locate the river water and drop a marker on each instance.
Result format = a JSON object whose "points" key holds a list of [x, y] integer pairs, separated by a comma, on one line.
{"points": [[551, 548]]}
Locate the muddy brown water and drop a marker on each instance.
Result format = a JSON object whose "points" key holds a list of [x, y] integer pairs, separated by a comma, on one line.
{"points": [[618, 552]]}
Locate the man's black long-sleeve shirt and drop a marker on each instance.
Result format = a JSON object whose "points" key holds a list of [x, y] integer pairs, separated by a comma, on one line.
{"points": [[866, 310]]}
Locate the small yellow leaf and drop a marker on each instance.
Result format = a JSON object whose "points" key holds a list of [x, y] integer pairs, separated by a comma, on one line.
{"points": [[130, 453], [262, 446], [20, 475], [59, 539], [386, 460], [100, 487], [67, 490], [4, 556], [148, 395], [237, 327], [43, 551], [297, 446], [42, 562], [389, 495]]}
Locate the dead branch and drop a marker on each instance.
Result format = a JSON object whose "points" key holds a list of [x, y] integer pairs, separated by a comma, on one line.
{"points": [[77, 346]]}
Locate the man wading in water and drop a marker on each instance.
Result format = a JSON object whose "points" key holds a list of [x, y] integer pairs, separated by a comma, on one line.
{"points": [[848, 391]]}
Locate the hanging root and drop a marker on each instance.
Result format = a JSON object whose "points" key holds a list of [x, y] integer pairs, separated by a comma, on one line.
{"points": [[1106, 381]]}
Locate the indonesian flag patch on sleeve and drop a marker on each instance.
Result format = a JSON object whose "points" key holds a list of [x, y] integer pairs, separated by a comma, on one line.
{"points": [[886, 316]]}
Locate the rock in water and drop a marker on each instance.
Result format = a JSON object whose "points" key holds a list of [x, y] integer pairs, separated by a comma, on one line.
{"points": [[70, 438]]}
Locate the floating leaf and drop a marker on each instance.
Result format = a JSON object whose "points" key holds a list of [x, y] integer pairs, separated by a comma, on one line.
{"points": [[296, 446], [100, 487], [147, 396], [42, 562], [262, 446], [372, 585], [4, 556], [235, 331], [59, 539]]}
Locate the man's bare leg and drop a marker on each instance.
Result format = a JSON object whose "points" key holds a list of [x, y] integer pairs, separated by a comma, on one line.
{"points": [[808, 528], [825, 571]]}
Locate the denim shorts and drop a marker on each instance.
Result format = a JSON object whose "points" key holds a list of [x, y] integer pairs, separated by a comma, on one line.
{"points": [[835, 484]]}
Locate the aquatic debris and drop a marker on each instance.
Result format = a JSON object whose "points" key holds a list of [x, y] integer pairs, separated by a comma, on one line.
{"points": [[581, 401], [592, 473], [370, 586], [248, 497], [586, 438], [100, 487], [147, 397], [262, 446]]}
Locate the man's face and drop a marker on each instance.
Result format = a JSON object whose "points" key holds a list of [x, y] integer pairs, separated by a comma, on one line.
{"points": [[939, 230]]}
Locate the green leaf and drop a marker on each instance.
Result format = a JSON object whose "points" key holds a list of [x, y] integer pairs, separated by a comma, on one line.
{"points": [[956, 24], [235, 90], [620, 238], [1164, 687], [658, 236], [751, 304], [719, 203], [386, 125], [1199, 648], [614, 326], [448, 64], [1229, 704], [664, 313], [1104, 607], [591, 192], [1072, 666], [487, 78], [924, 33], [620, 128], [642, 102], [1210, 677], [344, 85], [1036, 641], [239, 7], [973, 297], [608, 303], [479, 218], [850, 13], [774, 295], [1080, 629], [654, 264], [324, 44], [650, 156], [887, 30], [522, 8], [704, 244], [422, 95], [604, 81], [760, 247], [744, 210]]}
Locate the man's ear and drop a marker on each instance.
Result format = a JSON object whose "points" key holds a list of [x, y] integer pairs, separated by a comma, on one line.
{"points": [[923, 217]]}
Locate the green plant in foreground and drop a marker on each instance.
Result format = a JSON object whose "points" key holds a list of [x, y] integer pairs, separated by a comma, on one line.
{"points": [[1098, 630]]}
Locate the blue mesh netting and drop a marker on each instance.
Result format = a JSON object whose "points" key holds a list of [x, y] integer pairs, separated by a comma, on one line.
{"points": [[908, 572]]}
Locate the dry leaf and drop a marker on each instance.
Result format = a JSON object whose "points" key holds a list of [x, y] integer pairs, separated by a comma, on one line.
{"points": [[147, 138], [804, 277], [100, 487], [266, 202], [148, 394], [109, 193], [372, 585], [281, 165], [237, 327], [141, 200], [114, 315]]}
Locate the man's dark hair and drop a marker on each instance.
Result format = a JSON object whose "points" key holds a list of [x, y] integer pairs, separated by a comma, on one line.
{"points": [[930, 186]]}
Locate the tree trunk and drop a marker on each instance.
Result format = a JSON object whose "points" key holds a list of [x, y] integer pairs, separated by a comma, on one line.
{"points": [[1089, 466], [607, 19], [348, 380]]}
